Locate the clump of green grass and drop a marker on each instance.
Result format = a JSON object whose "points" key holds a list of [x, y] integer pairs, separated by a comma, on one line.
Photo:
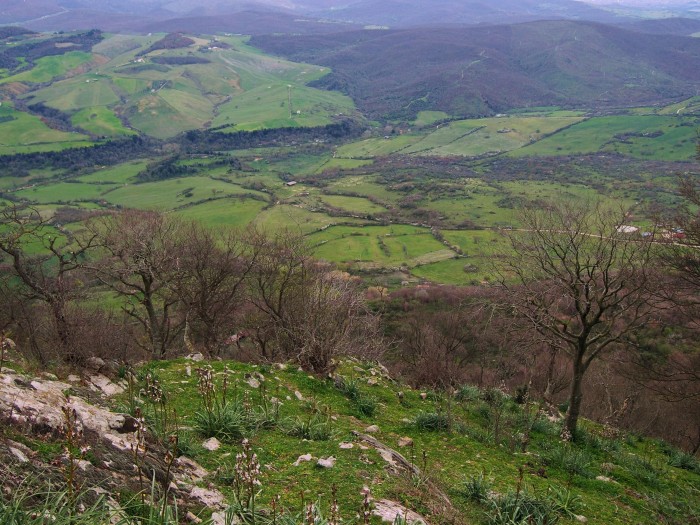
{"points": [[432, 421], [226, 423], [316, 427], [680, 459], [523, 507], [569, 458], [364, 404], [29, 506], [565, 502], [640, 468], [468, 393], [475, 488]]}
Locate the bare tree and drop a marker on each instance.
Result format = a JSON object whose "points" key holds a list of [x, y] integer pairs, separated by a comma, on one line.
{"points": [[209, 281], [305, 310], [437, 347], [141, 251], [681, 252], [44, 258], [581, 281]]}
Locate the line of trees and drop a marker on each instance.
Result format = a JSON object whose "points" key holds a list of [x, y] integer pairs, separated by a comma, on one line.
{"points": [[174, 285]]}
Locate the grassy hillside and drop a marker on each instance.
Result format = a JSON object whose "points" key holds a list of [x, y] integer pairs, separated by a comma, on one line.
{"points": [[470, 456], [208, 82]]}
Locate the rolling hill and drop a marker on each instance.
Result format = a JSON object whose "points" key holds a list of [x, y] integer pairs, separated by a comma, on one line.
{"points": [[480, 71]]}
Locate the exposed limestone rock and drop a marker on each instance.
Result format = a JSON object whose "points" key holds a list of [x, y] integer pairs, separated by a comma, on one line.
{"points": [[103, 384], [192, 518], [20, 452], [193, 470], [405, 442], [207, 497], [298, 395], [301, 459], [94, 364], [328, 462], [212, 444], [37, 407], [372, 429], [388, 511], [346, 446]]}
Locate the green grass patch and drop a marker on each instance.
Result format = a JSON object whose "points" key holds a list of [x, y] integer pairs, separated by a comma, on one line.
{"points": [[297, 219], [230, 212], [119, 174], [425, 118], [357, 205], [26, 133], [640, 136], [100, 121], [378, 245], [170, 194], [477, 137], [50, 67], [377, 147], [63, 192]]}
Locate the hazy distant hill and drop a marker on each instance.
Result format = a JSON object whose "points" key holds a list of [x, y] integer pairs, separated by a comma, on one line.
{"points": [[412, 13], [135, 14], [247, 22], [670, 26], [483, 70]]}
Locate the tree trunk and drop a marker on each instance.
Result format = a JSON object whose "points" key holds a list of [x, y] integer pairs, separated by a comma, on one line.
{"points": [[575, 398], [154, 324], [62, 329], [549, 390]]}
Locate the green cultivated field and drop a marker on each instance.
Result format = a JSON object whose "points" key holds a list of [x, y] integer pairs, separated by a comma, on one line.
{"points": [[468, 138], [377, 147], [353, 204], [466, 177], [643, 136], [26, 133], [119, 174], [64, 192], [231, 212], [171, 194], [426, 118], [298, 219], [48, 68], [238, 88], [472, 138], [376, 246], [100, 121], [364, 185]]}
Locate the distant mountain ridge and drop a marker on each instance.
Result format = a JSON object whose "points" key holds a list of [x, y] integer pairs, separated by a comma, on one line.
{"points": [[144, 15], [480, 71]]}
